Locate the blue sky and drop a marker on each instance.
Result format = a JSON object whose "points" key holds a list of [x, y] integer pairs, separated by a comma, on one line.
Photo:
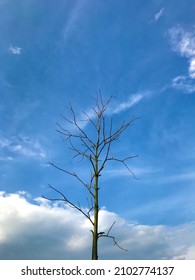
{"points": [[143, 54]]}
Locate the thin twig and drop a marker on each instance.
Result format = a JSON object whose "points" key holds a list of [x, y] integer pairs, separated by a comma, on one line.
{"points": [[68, 202], [107, 235]]}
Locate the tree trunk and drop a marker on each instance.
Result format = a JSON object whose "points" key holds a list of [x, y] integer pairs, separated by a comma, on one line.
{"points": [[95, 235], [96, 210]]}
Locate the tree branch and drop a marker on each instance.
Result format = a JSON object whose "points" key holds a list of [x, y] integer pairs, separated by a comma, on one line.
{"points": [[68, 202], [74, 175], [102, 234], [124, 163]]}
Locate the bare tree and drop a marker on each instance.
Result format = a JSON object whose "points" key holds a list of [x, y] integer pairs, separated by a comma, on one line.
{"points": [[96, 149]]}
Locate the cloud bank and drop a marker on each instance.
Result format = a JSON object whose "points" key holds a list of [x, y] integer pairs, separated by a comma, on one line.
{"points": [[38, 230]]}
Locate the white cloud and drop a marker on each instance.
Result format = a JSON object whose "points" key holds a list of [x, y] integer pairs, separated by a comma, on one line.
{"points": [[184, 83], [132, 100], [191, 253], [20, 145], [46, 231], [15, 50], [192, 68], [6, 158], [4, 143], [139, 172], [183, 42], [73, 18], [159, 14], [116, 108]]}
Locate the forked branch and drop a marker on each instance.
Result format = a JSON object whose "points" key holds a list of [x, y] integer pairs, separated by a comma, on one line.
{"points": [[107, 235], [69, 203]]}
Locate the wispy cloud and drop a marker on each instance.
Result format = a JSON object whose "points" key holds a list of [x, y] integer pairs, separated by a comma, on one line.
{"points": [[6, 158], [184, 83], [21, 146], [183, 42], [159, 14], [117, 108], [4, 143], [15, 50], [185, 176], [139, 172], [132, 100], [73, 18], [47, 231]]}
